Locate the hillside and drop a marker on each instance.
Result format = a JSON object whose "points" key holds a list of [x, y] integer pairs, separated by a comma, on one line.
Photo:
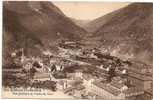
{"points": [[95, 24], [34, 25], [81, 23], [127, 32]]}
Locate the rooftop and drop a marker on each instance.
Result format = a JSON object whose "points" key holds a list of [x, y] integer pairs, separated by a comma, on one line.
{"points": [[117, 85], [108, 88], [12, 69], [75, 82], [39, 75], [139, 65], [88, 76], [80, 87], [140, 76], [117, 78], [68, 89]]}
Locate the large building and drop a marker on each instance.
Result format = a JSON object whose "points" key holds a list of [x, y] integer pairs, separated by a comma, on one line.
{"points": [[101, 89], [140, 80], [106, 91]]}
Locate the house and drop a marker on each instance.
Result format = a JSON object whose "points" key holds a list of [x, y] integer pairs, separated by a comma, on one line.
{"points": [[119, 86], [92, 55], [121, 71], [117, 79], [76, 91], [70, 45], [28, 65], [78, 73], [92, 96], [70, 75], [74, 75], [59, 75], [88, 79], [79, 91], [75, 82], [62, 84]]}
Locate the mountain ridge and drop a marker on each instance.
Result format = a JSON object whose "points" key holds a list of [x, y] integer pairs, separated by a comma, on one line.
{"points": [[128, 32], [35, 25]]}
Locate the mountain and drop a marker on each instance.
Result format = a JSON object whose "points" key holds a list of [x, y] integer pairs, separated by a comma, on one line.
{"points": [[127, 32], [95, 24], [81, 23], [35, 25]]}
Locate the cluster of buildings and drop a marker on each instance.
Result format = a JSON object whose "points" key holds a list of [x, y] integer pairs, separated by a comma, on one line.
{"points": [[129, 80], [133, 79]]}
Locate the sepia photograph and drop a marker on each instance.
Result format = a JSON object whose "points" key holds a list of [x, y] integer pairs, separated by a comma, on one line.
{"points": [[77, 50]]}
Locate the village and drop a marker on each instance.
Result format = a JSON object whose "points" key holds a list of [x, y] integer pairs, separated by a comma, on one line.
{"points": [[81, 73]]}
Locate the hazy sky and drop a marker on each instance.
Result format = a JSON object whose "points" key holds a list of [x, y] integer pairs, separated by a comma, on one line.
{"points": [[88, 10]]}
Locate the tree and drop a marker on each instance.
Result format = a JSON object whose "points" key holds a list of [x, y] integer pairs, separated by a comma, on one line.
{"points": [[32, 72], [111, 72]]}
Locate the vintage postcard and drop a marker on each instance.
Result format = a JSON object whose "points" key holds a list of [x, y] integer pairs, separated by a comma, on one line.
{"points": [[77, 50]]}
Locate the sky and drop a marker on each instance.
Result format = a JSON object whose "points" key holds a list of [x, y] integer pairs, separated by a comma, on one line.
{"points": [[88, 10]]}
